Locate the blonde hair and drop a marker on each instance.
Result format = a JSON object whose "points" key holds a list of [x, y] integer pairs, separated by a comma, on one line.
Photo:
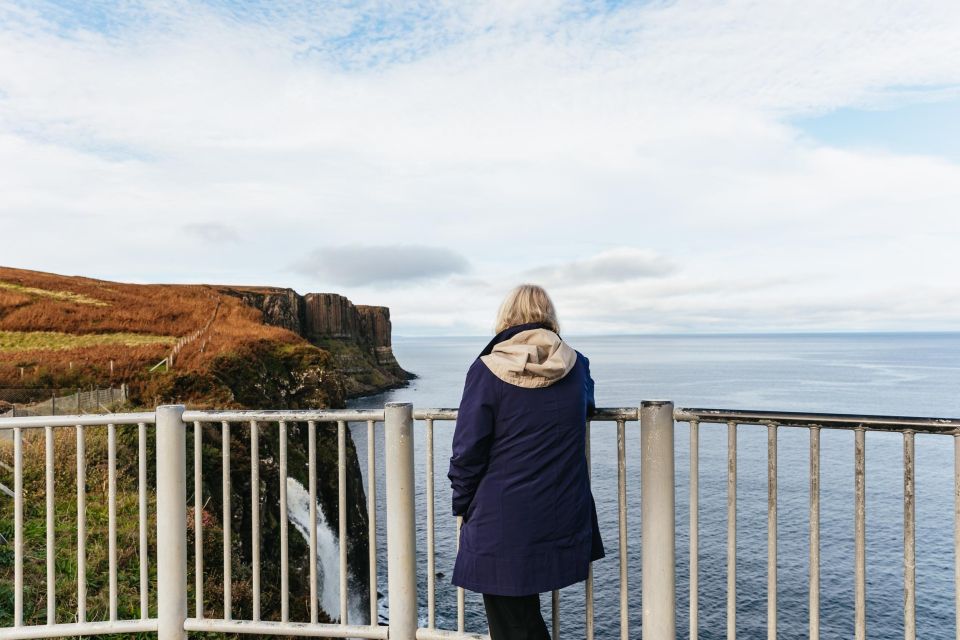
{"points": [[527, 303]]}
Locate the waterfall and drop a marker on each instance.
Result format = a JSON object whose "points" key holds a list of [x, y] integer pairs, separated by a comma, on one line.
{"points": [[328, 555]]}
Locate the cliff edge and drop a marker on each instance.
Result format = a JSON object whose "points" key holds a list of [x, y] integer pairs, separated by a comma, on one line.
{"points": [[357, 336], [206, 345]]}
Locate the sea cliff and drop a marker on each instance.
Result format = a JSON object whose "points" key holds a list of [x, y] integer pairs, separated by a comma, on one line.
{"points": [[358, 337]]}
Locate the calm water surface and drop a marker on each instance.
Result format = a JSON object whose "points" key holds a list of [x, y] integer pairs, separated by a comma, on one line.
{"points": [[896, 374]]}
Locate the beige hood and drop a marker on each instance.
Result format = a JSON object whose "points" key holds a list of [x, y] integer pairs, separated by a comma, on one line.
{"points": [[533, 358]]}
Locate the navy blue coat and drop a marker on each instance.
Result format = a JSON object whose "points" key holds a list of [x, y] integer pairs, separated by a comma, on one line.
{"points": [[519, 479]]}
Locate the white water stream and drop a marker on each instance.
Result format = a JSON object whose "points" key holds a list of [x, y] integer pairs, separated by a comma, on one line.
{"points": [[328, 555]]}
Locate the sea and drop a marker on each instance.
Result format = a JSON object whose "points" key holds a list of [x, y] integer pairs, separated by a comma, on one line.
{"points": [[902, 374]]}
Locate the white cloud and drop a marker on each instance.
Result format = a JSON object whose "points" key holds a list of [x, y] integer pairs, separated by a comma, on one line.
{"points": [[212, 232], [519, 136], [356, 265], [612, 266]]}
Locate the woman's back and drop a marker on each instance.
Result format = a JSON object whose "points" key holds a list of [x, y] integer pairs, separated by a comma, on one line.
{"points": [[519, 469]]}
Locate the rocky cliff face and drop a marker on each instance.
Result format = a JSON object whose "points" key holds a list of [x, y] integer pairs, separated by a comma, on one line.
{"points": [[357, 336], [280, 307], [355, 357]]}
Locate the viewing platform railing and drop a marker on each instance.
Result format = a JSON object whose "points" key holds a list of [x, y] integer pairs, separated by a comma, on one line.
{"points": [[163, 605]]}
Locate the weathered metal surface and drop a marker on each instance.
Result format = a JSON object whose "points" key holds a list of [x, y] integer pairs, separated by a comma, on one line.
{"points": [[431, 552], [824, 420], [657, 520], [284, 530], [78, 629], [51, 528], [198, 517], [772, 532], [555, 614], [342, 516], [731, 530], [588, 588], [144, 522], [312, 482], [694, 530], [17, 527], [372, 515], [296, 629], [859, 537], [299, 415], [814, 587], [657, 502], [443, 634], [255, 515], [41, 422], [401, 530], [227, 493], [172, 536], [622, 528], [112, 516], [909, 540], [607, 414], [461, 603], [81, 525]]}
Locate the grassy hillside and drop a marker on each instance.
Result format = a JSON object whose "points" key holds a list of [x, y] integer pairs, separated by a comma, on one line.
{"points": [[128, 549], [63, 332]]}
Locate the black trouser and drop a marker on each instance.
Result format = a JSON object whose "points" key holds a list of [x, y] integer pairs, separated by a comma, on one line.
{"points": [[515, 617]]}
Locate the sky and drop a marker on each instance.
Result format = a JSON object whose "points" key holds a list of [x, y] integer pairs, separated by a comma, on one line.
{"points": [[660, 167]]}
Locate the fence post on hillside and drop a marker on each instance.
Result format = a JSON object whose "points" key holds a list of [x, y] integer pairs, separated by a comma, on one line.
{"points": [[172, 520], [657, 517], [401, 524]]}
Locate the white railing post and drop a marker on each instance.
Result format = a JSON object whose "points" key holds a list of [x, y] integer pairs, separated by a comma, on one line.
{"points": [[171, 523], [657, 516], [401, 525]]}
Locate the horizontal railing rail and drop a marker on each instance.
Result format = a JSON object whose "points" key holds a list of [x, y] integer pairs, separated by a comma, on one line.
{"points": [[944, 426], [161, 510]]}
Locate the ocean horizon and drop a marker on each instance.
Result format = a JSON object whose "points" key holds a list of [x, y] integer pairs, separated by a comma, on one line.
{"points": [[885, 373]]}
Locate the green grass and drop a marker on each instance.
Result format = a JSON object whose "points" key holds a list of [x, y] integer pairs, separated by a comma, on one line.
{"points": [[65, 529], [31, 340], [97, 544], [63, 296]]}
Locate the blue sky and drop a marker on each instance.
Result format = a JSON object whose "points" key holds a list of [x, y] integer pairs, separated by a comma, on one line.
{"points": [[660, 166], [927, 127]]}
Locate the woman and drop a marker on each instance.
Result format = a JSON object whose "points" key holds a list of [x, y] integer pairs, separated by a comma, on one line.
{"points": [[519, 469]]}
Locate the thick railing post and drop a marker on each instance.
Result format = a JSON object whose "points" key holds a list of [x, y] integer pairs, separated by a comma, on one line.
{"points": [[171, 523], [657, 516], [401, 526]]}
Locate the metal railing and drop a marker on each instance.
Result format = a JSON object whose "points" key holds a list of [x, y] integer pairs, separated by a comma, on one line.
{"points": [[275, 424], [814, 423], [619, 416], [30, 427], [169, 615]]}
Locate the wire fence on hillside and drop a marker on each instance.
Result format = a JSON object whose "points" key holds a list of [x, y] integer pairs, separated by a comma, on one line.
{"points": [[22, 402]]}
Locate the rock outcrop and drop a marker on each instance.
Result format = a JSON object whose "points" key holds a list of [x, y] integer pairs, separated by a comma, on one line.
{"points": [[280, 307], [358, 336], [330, 315]]}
